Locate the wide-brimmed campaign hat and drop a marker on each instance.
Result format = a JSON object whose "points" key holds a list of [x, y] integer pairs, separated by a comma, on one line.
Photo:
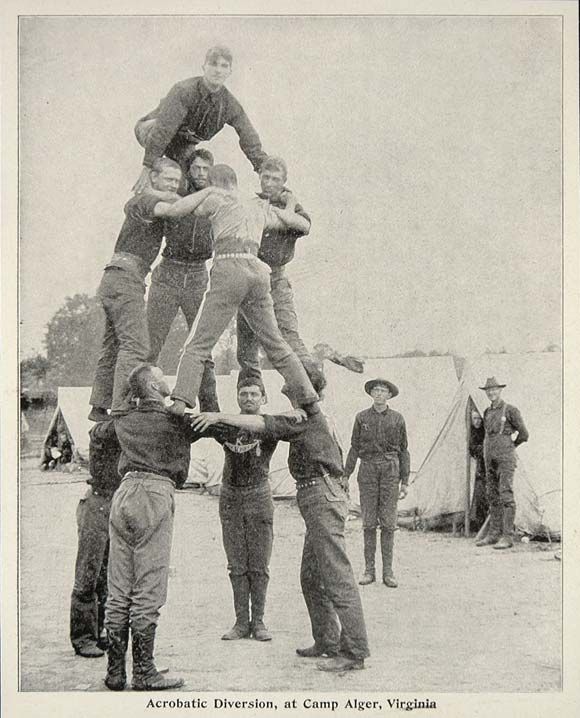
{"points": [[492, 383], [370, 385]]}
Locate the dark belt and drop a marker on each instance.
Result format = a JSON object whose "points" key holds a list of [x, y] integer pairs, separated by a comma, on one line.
{"points": [[384, 459], [314, 480]]}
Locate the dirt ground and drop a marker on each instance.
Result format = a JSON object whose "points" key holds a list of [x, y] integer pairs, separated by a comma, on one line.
{"points": [[462, 620]]}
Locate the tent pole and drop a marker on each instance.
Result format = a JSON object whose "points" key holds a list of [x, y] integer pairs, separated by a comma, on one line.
{"points": [[467, 469]]}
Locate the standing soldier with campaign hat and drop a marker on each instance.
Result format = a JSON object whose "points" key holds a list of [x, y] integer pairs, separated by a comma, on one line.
{"points": [[379, 439], [504, 430]]}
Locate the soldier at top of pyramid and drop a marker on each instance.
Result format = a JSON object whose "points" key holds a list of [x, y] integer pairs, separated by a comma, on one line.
{"points": [[194, 111]]}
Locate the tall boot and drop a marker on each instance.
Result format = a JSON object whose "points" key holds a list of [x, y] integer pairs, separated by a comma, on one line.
{"points": [[507, 538], [387, 545], [495, 527], [258, 589], [146, 677], [241, 589], [370, 549], [117, 641]]}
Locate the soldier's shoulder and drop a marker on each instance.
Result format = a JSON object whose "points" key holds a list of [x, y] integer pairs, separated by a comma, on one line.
{"points": [[397, 415]]}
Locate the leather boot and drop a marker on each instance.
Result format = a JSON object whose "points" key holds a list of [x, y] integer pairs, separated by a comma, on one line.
{"points": [[146, 677], [258, 589], [507, 538], [241, 589], [495, 527], [117, 641], [387, 545], [370, 549]]}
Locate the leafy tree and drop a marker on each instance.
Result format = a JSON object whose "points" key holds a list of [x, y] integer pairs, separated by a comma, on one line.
{"points": [[73, 340]]}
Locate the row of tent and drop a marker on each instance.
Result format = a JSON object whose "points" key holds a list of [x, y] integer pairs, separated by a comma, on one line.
{"points": [[436, 405]]}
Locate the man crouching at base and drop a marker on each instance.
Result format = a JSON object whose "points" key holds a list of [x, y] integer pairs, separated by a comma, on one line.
{"points": [[155, 457], [326, 575]]}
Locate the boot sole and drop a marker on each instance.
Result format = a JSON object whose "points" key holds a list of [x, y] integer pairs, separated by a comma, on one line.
{"points": [[153, 687]]}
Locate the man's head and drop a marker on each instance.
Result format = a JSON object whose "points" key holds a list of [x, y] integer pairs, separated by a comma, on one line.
{"points": [[493, 389], [273, 175], [165, 175], [148, 382], [199, 167], [380, 391], [223, 176], [251, 396], [493, 393], [217, 66], [476, 419]]}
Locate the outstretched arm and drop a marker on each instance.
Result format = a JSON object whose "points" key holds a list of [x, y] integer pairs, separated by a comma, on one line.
{"points": [[251, 422], [184, 205]]}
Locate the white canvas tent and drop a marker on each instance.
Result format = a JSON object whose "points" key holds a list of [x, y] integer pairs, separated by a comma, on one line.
{"points": [[426, 385], [534, 386], [206, 454]]}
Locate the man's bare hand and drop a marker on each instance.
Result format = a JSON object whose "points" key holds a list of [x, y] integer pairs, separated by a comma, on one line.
{"points": [[403, 491], [290, 200], [177, 408], [143, 183], [201, 422]]}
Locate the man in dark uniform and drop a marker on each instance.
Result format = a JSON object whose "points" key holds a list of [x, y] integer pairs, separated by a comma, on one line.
{"points": [[87, 610], [277, 250], [122, 288], [379, 439], [326, 576], [479, 505], [504, 430], [247, 514], [194, 111], [179, 281], [154, 462]]}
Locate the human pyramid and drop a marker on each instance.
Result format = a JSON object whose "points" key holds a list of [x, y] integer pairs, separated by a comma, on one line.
{"points": [[140, 442], [139, 448]]}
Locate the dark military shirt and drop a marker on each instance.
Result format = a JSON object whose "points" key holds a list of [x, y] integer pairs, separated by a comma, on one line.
{"points": [[154, 440], [277, 246], [191, 109], [188, 239], [247, 455], [142, 232], [104, 454], [313, 449], [375, 434], [495, 424]]}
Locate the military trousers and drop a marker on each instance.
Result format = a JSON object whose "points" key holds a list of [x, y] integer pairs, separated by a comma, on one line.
{"points": [[247, 519], [500, 465], [238, 283], [141, 532], [126, 338], [379, 493], [89, 594], [326, 576], [287, 320]]}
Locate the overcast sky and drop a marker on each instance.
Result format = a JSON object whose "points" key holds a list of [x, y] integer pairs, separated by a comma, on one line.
{"points": [[427, 150]]}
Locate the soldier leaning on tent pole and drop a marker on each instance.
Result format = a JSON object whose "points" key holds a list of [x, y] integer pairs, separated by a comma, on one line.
{"points": [[502, 422], [155, 457], [194, 111], [379, 439], [327, 580], [89, 594]]}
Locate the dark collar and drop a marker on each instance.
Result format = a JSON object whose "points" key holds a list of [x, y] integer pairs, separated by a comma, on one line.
{"points": [[384, 411]]}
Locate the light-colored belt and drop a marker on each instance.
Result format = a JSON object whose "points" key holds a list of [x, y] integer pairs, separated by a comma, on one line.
{"points": [[236, 255]]}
